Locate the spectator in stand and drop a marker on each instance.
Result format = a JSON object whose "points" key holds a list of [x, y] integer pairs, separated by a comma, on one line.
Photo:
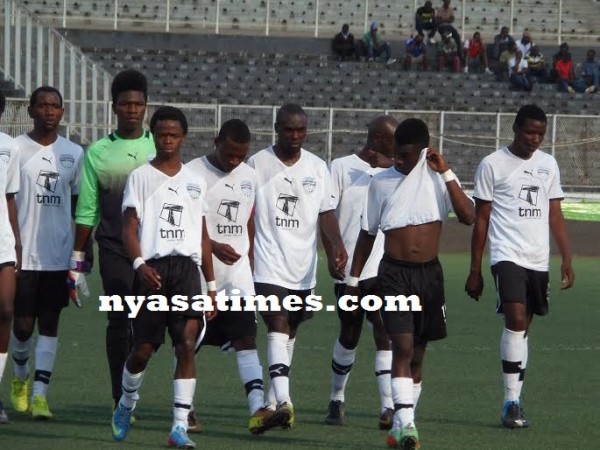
{"points": [[343, 44], [376, 48], [425, 20], [448, 54], [524, 44], [563, 51], [416, 51], [565, 76], [538, 73], [517, 73], [475, 54], [590, 72], [444, 17], [505, 57], [502, 42]]}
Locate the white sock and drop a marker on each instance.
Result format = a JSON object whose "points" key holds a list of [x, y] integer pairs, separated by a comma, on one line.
{"points": [[20, 356], [290, 349], [341, 363], [45, 355], [183, 395], [402, 392], [524, 359], [512, 349], [251, 375], [3, 358], [279, 366], [130, 384], [416, 393], [383, 372]]}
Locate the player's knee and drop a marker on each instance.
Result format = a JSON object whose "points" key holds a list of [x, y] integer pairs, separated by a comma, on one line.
{"points": [[22, 331], [186, 347], [349, 338], [6, 312], [244, 343]]}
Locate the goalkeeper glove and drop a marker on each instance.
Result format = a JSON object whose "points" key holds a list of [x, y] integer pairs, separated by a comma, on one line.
{"points": [[76, 281]]}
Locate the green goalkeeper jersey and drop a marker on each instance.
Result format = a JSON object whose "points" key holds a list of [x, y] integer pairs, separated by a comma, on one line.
{"points": [[107, 164]]}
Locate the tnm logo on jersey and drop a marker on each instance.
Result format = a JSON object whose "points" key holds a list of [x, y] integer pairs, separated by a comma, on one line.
{"points": [[529, 194], [309, 184], [172, 215], [48, 180], [67, 161], [287, 204], [229, 209]]}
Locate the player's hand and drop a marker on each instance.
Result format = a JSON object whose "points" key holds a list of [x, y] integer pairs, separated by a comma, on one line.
{"points": [[337, 263], [435, 161], [567, 275], [149, 277], [18, 262], [474, 285], [383, 161], [210, 315], [76, 278], [225, 253]]}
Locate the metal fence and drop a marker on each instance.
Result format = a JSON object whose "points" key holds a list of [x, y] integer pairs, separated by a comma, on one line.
{"points": [[550, 20], [464, 138]]}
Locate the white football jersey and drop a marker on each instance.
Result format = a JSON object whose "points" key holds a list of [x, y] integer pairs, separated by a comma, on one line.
{"points": [[169, 209], [351, 177], [49, 177], [288, 203], [229, 202], [520, 191], [9, 184]]}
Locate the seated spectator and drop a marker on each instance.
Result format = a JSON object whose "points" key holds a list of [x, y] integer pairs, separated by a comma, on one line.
{"points": [[375, 48], [501, 43], [565, 75], [343, 44], [517, 73], [425, 20], [475, 54], [448, 54], [562, 51], [505, 57], [444, 17], [524, 44], [538, 73], [416, 51], [590, 72]]}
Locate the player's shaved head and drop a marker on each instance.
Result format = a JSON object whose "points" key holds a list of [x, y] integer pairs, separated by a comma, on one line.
{"points": [[532, 112], [380, 125], [236, 130], [288, 109]]}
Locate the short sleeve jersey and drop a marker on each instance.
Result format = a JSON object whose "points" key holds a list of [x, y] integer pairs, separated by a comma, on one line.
{"points": [[288, 203], [49, 176], [351, 177], [169, 210], [229, 203], [9, 184], [107, 164], [520, 191]]}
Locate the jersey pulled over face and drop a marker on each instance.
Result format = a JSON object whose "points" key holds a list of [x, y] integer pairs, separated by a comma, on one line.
{"points": [[229, 201], [520, 191], [288, 202], [49, 176]]}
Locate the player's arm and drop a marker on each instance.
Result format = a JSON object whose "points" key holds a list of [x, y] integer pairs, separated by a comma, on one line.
{"points": [[148, 275], [333, 244], [13, 218], [207, 269], [461, 204], [558, 229], [474, 284], [251, 234], [87, 211]]}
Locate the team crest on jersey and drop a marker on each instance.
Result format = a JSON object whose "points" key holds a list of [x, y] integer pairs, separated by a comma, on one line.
{"points": [[309, 184], [229, 209], [287, 204], [543, 173], [5, 154], [529, 194], [67, 161], [48, 180], [246, 187], [194, 190], [171, 213]]}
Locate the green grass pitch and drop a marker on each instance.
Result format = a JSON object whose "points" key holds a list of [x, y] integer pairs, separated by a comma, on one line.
{"points": [[459, 407]]}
